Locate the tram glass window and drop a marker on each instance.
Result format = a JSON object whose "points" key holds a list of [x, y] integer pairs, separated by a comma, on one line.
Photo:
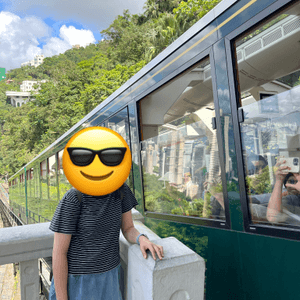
{"points": [[44, 179], [64, 184], [119, 124], [52, 178], [180, 158], [268, 65], [23, 184], [28, 183], [36, 182], [31, 185]]}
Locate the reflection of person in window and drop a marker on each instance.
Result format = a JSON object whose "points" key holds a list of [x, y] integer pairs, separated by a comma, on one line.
{"points": [[281, 207], [255, 165], [217, 205]]}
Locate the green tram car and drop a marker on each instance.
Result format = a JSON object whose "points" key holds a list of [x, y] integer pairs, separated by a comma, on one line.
{"points": [[207, 122]]}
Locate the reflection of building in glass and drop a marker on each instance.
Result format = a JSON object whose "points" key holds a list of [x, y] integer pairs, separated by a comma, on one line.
{"points": [[268, 76], [183, 157]]}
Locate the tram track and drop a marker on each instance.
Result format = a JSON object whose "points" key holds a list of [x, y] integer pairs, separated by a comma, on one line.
{"points": [[8, 289], [9, 274]]}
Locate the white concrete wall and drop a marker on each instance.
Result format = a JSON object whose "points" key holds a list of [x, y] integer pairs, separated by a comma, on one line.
{"points": [[178, 276]]}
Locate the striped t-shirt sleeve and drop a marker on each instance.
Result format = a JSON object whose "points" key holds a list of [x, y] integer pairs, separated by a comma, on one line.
{"points": [[128, 201], [66, 215]]}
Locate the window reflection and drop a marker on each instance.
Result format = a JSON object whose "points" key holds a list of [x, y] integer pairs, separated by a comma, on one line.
{"points": [[180, 158], [52, 178], [269, 78], [44, 179], [64, 184], [119, 124]]}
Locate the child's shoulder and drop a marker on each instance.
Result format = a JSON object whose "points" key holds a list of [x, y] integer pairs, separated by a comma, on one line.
{"points": [[70, 196], [126, 188]]}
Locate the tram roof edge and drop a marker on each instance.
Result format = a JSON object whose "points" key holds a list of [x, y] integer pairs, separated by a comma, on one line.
{"points": [[197, 27]]}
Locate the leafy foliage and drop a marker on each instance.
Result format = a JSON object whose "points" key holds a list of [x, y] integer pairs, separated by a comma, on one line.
{"points": [[80, 79]]}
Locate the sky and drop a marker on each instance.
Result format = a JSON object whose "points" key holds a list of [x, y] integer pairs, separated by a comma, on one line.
{"points": [[50, 27]]}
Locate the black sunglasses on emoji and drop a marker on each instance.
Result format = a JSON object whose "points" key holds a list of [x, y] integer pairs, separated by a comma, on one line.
{"points": [[84, 156]]}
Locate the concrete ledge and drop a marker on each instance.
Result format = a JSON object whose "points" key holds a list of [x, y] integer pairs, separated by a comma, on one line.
{"points": [[137, 216], [124, 244], [124, 249], [178, 276], [22, 243]]}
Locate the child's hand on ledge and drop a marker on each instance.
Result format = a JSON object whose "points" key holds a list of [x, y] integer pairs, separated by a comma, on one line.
{"points": [[145, 244]]}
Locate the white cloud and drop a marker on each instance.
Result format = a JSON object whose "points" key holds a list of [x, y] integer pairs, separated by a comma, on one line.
{"points": [[96, 14], [74, 36], [55, 46], [20, 38]]}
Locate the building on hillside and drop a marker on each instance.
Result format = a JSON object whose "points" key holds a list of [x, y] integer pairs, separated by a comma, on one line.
{"points": [[28, 85], [17, 99], [38, 60], [77, 46], [2, 74]]}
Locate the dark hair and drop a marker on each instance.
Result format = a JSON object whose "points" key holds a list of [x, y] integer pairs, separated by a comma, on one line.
{"points": [[287, 178], [254, 158]]}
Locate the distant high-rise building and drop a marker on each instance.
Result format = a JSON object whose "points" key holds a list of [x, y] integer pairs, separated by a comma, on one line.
{"points": [[38, 60], [2, 74]]}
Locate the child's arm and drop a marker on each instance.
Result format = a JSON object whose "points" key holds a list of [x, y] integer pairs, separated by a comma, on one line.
{"points": [[130, 233], [60, 264]]}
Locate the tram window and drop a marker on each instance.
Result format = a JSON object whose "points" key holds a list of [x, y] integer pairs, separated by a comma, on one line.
{"points": [[180, 158], [36, 176], [269, 80], [64, 184], [119, 124], [44, 183], [28, 183], [52, 178], [30, 187]]}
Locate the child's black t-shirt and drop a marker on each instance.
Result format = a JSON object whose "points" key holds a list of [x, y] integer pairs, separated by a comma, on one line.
{"points": [[95, 227]]}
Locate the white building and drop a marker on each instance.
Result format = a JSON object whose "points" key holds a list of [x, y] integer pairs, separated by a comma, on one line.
{"points": [[28, 85], [38, 60], [18, 98]]}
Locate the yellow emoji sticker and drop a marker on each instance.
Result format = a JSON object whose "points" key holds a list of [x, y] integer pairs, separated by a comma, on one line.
{"points": [[96, 161]]}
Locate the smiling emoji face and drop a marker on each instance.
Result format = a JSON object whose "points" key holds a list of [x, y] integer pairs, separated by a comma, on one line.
{"points": [[96, 161]]}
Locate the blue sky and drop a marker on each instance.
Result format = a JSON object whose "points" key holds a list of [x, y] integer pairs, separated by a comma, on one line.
{"points": [[50, 27], [56, 25]]}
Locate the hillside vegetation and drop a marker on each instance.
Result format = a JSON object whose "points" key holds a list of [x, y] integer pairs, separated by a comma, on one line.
{"points": [[80, 79]]}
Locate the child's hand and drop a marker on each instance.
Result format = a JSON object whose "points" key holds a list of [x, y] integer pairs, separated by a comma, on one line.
{"points": [[145, 244]]}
